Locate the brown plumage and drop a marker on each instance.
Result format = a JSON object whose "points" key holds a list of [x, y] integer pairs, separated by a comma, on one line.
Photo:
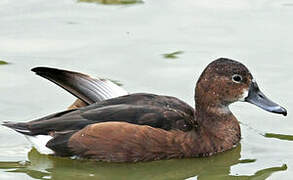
{"points": [[125, 142], [77, 104]]}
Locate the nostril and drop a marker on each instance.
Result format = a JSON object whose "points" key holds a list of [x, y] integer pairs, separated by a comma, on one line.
{"points": [[260, 95]]}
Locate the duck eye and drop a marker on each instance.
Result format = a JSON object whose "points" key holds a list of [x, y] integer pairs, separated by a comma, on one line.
{"points": [[237, 78]]}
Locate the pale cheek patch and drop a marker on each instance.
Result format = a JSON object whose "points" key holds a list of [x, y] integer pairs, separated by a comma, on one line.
{"points": [[244, 95]]}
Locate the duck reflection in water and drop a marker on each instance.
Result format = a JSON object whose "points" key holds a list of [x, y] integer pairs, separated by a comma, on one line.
{"points": [[216, 167]]}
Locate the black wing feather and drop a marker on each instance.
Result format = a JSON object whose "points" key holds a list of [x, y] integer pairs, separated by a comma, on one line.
{"points": [[145, 109], [84, 87]]}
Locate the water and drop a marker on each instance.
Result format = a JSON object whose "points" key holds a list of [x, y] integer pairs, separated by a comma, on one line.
{"points": [[133, 43]]}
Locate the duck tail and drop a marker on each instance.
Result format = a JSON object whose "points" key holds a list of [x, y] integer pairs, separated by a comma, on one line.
{"points": [[22, 128]]}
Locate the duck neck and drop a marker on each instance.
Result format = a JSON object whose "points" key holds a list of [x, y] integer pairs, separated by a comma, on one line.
{"points": [[217, 127]]}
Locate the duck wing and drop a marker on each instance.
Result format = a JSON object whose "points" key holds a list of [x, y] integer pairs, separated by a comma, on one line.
{"points": [[86, 88], [163, 112]]}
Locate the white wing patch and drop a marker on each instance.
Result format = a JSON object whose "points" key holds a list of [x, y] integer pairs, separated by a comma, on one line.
{"points": [[105, 89]]}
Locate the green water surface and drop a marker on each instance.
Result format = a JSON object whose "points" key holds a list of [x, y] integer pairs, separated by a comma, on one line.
{"points": [[156, 46]]}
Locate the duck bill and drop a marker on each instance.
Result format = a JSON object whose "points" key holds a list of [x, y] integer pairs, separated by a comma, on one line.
{"points": [[256, 97]]}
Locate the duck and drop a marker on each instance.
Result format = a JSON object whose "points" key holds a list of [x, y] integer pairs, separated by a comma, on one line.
{"points": [[112, 125]]}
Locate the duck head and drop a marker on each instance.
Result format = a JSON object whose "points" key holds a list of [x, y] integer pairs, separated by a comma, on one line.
{"points": [[225, 81]]}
